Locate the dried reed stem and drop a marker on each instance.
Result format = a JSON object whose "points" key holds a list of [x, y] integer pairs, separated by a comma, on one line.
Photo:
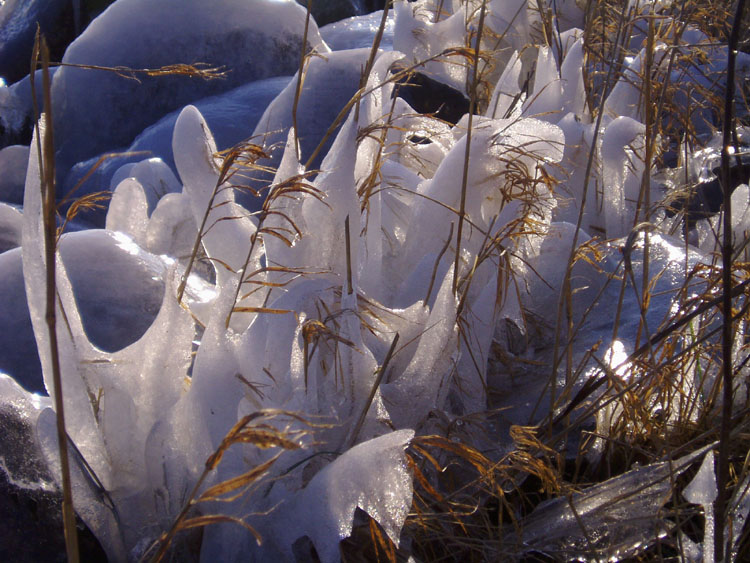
{"points": [[373, 52], [300, 81], [46, 149], [721, 552], [565, 289], [465, 176], [376, 384]]}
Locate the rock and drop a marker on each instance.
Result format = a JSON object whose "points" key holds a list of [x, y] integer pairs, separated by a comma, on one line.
{"points": [[93, 109], [429, 96], [337, 74], [31, 526], [704, 199], [335, 10]]}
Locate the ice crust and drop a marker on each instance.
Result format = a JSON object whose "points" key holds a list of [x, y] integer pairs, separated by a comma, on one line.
{"points": [[291, 312]]}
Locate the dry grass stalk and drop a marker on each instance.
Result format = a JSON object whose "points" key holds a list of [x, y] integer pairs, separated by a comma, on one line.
{"points": [[252, 429], [195, 70], [727, 335], [465, 176], [46, 158]]}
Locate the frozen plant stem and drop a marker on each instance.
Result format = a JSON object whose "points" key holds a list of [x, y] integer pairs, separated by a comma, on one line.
{"points": [[46, 148], [465, 177], [727, 336]]}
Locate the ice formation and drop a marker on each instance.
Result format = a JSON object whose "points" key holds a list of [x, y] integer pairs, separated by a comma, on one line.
{"points": [[290, 308]]}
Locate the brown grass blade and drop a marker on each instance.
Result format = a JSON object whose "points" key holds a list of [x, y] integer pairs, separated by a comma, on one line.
{"points": [[219, 492]]}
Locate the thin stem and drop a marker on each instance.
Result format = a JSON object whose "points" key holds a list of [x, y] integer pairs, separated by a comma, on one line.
{"points": [[347, 236], [373, 53], [300, 81], [376, 384], [465, 177], [47, 172], [727, 336]]}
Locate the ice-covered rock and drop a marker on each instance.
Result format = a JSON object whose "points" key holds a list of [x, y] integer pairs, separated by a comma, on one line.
{"points": [[30, 503], [232, 117], [18, 26], [17, 108], [335, 10], [10, 227], [18, 354], [358, 32], [13, 161], [118, 289], [339, 75], [93, 108], [14, 117]]}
